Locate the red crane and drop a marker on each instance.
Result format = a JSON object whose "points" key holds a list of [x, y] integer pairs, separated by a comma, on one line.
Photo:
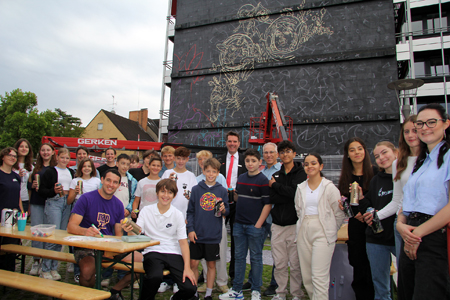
{"points": [[272, 126]]}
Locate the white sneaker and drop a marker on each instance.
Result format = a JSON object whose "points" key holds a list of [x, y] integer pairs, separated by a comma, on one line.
{"points": [[256, 295], [175, 288], [55, 275], [279, 297], [105, 282], [136, 285], [46, 275], [232, 295], [35, 268], [163, 287], [76, 278], [70, 268]]}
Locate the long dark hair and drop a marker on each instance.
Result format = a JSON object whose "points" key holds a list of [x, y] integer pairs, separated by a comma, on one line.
{"points": [[28, 163], [444, 147], [403, 149], [347, 168], [319, 159], [79, 172], [40, 162]]}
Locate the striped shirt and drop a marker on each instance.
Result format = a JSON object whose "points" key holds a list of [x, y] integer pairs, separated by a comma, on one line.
{"points": [[253, 192]]}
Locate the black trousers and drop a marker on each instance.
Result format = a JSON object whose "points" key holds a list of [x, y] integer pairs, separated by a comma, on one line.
{"points": [[357, 256], [154, 264], [426, 277]]}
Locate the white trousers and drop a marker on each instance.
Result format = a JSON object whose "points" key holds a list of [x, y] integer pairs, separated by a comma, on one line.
{"points": [[221, 264], [315, 255], [284, 253]]}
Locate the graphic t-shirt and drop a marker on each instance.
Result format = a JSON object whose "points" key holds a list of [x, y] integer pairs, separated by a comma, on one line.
{"points": [[185, 182], [101, 212], [146, 189], [89, 185], [122, 192]]}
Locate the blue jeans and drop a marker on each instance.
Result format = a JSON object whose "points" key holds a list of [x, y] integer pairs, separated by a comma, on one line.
{"points": [[36, 218], [380, 266], [247, 237], [56, 212]]}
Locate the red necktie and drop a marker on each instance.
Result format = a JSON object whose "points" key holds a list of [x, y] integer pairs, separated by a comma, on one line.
{"points": [[230, 171]]}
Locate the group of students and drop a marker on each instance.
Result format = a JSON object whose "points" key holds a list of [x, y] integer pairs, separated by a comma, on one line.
{"points": [[408, 189]]}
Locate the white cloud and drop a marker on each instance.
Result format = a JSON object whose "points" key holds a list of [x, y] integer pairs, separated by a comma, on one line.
{"points": [[75, 55]]}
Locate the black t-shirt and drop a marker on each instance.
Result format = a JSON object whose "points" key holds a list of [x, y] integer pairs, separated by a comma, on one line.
{"points": [[9, 190], [138, 173], [102, 169]]}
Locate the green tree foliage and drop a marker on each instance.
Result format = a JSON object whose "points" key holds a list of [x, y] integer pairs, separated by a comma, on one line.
{"points": [[19, 118]]}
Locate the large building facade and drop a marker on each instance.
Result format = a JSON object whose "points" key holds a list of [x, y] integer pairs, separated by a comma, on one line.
{"points": [[329, 62]]}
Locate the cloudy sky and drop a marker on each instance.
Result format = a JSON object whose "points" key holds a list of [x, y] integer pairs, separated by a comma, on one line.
{"points": [[76, 54]]}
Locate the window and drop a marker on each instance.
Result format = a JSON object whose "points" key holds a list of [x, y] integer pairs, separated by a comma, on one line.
{"points": [[428, 22], [100, 126]]}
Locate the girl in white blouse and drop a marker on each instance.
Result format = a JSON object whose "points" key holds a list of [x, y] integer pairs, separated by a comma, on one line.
{"points": [[319, 219]]}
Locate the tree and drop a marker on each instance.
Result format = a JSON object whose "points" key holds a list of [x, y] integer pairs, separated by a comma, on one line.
{"points": [[19, 118]]}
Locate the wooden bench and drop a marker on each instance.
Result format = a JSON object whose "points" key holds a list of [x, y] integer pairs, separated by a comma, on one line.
{"points": [[138, 267], [55, 289]]}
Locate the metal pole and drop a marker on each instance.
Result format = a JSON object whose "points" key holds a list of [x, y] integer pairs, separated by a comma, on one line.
{"points": [[163, 88]]}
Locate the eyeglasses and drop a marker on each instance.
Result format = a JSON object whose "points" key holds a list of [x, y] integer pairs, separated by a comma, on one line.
{"points": [[269, 152], [12, 155], [286, 152], [431, 123]]}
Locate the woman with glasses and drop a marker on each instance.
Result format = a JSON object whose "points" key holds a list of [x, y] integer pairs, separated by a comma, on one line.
{"points": [[10, 198], [424, 272], [356, 166], [319, 219]]}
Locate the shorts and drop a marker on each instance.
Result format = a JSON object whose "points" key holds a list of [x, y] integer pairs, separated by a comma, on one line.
{"points": [[210, 252], [80, 253]]}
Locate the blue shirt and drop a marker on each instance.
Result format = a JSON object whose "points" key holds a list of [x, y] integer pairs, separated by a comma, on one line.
{"points": [[273, 169], [427, 189], [220, 179]]}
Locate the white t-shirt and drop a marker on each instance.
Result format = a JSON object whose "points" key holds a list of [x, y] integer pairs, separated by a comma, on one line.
{"points": [[64, 177], [89, 185], [146, 189], [122, 192], [167, 228], [185, 182], [312, 200], [23, 185]]}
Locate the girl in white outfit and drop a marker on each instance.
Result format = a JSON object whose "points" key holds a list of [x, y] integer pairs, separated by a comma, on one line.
{"points": [[319, 219]]}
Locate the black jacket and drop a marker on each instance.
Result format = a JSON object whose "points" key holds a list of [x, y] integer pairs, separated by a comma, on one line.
{"points": [[282, 194], [223, 164], [48, 180]]}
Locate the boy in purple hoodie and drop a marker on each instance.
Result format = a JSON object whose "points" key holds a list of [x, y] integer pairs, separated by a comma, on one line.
{"points": [[204, 221]]}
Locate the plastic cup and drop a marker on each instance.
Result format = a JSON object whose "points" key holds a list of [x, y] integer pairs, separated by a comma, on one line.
{"points": [[21, 224]]}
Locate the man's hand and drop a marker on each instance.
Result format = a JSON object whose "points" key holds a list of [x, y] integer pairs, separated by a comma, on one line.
{"points": [[192, 236], [126, 212], [127, 228], [91, 231]]}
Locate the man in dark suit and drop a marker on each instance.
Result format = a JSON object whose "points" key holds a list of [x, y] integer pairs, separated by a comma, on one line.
{"points": [[236, 160]]}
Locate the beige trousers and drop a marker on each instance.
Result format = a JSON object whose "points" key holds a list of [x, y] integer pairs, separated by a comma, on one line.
{"points": [[221, 264], [315, 257], [284, 253]]}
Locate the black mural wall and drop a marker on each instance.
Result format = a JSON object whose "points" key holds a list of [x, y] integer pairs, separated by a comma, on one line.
{"points": [[329, 62]]}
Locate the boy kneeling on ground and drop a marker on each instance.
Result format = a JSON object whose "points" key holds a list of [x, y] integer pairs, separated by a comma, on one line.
{"points": [[163, 222]]}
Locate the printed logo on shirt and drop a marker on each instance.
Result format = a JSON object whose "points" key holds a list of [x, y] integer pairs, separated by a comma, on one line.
{"points": [[124, 184], [208, 201], [169, 225], [14, 179], [102, 219], [382, 193]]}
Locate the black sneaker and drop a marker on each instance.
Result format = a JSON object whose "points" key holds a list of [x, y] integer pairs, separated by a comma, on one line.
{"points": [[208, 298], [117, 296], [271, 290], [247, 286]]}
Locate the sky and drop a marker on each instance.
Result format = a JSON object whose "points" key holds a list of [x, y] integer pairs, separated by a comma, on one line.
{"points": [[75, 55]]}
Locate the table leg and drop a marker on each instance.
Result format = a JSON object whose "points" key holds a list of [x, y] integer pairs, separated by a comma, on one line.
{"points": [[98, 269], [132, 275]]}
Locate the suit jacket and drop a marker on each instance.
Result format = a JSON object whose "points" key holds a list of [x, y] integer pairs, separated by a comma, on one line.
{"points": [[223, 164]]}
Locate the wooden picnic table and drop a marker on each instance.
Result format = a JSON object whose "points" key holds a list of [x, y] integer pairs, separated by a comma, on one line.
{"points": [[99, 246]]}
